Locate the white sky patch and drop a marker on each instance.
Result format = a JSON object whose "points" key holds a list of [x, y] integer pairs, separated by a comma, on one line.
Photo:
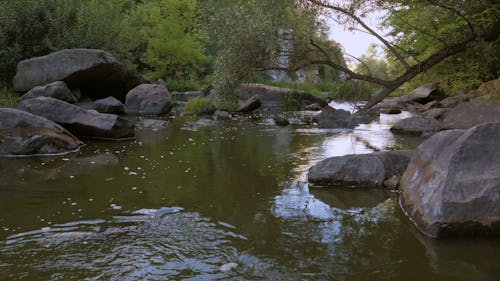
{"points": [[355, 42]]}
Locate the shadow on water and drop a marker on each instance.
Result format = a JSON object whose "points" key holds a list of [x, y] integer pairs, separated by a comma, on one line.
{"points": [[245, 211]]}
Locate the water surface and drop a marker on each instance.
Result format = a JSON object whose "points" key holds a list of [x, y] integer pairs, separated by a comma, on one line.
{"points": [[226, 202]]}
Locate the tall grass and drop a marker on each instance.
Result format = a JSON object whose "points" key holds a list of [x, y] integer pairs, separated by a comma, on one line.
{"points": [[7, 97]]}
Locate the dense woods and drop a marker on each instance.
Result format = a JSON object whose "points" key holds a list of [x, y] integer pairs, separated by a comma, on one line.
{"points": [[192, 44]]}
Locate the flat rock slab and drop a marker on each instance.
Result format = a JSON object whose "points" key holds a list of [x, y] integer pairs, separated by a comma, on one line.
{"points": [[85, 123], [418, 126], [22, 133], [452, 184], [359, 170], [473, 113], [274, 97], [96, 72]]}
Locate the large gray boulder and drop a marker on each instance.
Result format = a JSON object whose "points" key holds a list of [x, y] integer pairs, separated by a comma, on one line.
{"points": [[148, 99], [419, 126], [424, 94], [359, 170], [22, 133], [85, 123], [452, 185], [274, 97], [58, 90], [97, 73], [333, 118], [435, 113], [470, 114]]}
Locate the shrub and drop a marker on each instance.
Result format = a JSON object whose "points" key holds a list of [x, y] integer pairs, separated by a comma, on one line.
{"points": [[200, 106], [182, 85]]}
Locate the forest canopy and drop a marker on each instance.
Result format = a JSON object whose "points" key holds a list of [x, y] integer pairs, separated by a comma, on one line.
{"points": [[221, 42]]}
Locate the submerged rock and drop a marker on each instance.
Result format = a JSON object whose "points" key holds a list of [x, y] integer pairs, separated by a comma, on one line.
{"points": [[220, 115], [452, 185], [359, 170], [80, 122], [148, 99], [473, 113], [22, 133], [281, 121], [58, 90], [418, 126], [195, 126], [96, 72], [152, 124]]}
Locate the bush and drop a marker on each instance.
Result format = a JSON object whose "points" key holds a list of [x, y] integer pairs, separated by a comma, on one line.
{"points": [[200, 106], [7, 98]]}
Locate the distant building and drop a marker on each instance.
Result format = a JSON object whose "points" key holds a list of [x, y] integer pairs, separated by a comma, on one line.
{"points": [[310, 74]]}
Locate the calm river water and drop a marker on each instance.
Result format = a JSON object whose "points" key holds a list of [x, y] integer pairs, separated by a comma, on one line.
{"points": [[227, 202]]}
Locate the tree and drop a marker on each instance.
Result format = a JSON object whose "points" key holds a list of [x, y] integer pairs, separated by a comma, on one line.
{"points": [[249, 35], [422, 34], [453, 26], [172, 39], [372, 65]]}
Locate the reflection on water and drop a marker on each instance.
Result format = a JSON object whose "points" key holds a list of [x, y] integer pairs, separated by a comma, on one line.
{"points": [[245, 211]]}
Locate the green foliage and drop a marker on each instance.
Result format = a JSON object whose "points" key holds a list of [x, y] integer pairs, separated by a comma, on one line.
{"points": [[450, 21], [248, 35], [172, 39], [31, 28], [7, 98], [183, 85], [373, 65], [200, 106], [353, 90]]}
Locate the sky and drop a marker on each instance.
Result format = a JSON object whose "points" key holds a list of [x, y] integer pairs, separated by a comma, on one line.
{"points": [[355, 42]]}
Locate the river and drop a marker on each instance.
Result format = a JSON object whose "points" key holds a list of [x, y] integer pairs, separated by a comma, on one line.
{"points": [[226, 202]]}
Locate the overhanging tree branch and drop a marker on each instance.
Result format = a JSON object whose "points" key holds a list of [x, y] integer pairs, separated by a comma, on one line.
{"points": [[389, 46], [489, 35]]}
